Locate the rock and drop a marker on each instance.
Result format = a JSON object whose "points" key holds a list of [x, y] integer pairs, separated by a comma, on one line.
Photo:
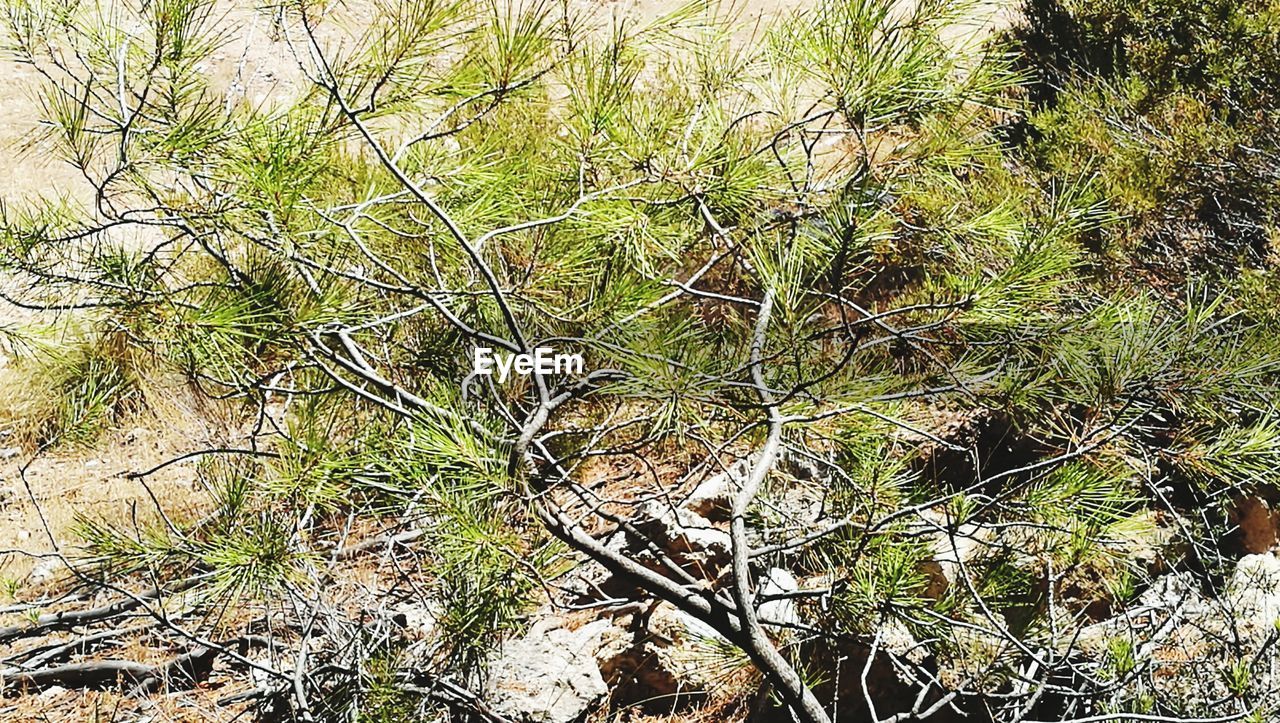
{"points": [[806, 465], [898, 641], [968, 658], [662, 656], [1253, 595], [968, 547], [418, 621], [950, 551], [691, 539], [1176, 591], [258, 672], [794, 505], [44, 571], [680, 627], [778, 582], [550, 675], [1182, 633], [52, 692], [713, 498]]}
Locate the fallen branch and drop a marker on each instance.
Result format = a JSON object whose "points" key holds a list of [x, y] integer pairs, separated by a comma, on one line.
{"points": [[49, 653], [376, 542], [459, 699], [93, 674], [72, 618], [182, 672]]}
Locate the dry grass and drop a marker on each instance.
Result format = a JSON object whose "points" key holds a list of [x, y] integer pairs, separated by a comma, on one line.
{"points": [[43, 494], [60, 704]]}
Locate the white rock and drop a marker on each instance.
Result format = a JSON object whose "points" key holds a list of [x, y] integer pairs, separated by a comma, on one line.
{"points": [[897, 640], [1215, 631], [684, 534], [417, 620], [713, 498], [690, 628], [44, 570], [550, 675], [1253, 593], [51, 692], [258, 674], [779, 582]]}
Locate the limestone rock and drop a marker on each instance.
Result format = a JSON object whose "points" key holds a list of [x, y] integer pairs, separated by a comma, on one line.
{"points": [[1185, 634], [951, 551], [782, 610], [418, 621], [550, 675], [662, 655], [688, 537], [713, 498], [1253, 595], [897, 640]]}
